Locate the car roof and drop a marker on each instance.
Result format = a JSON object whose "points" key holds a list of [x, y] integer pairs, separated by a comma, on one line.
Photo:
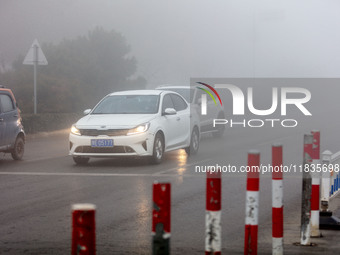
{"points": [[3, 88], [137, 92]]}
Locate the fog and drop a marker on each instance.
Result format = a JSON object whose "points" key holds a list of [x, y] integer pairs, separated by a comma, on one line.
{"points": [[176, 40]]}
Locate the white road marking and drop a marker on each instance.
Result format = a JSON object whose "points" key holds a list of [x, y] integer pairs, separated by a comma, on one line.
{"points": [[158, 174], [85, 174], [175, 168]]}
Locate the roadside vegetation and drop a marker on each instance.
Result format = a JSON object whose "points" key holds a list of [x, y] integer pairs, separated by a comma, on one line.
{"points": [[80, 71]]}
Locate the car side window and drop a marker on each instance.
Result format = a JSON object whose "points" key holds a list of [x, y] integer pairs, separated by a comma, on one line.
{"points": [[199, 96], [167, 103], [179, 103], [7, 104]]}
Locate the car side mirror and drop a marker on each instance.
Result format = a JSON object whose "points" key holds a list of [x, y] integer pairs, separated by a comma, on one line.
{"points": [[170, 111], [87, 111]]}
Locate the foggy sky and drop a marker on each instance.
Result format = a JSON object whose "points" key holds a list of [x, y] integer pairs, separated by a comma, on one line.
{"points": [[178, 39]]}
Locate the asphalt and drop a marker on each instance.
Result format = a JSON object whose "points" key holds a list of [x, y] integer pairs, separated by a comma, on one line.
{"points": [[36, 194]]}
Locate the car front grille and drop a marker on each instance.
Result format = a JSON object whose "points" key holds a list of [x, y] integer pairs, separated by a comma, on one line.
{"points": [[108, 132], [115, 149]]}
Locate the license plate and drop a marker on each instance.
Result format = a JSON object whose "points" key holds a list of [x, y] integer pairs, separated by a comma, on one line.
{"points": [[102, 143]]}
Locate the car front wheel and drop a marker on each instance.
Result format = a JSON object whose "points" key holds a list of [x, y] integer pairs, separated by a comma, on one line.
{"points": [[194, 142], [19, 148], [158, 149]]}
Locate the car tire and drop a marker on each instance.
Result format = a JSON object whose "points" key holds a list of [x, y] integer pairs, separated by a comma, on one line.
{"points": [[19, 148], [194, 142], [81, 160], [219, 131], [158, 149]]}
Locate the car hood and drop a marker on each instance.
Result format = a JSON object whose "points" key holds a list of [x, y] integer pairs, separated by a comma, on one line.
{"points": [[114, 121]]}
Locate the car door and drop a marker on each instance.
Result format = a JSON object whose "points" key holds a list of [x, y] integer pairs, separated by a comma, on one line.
{"points": [[9, 117], [169, 123], [206, 121], [183, 120]]}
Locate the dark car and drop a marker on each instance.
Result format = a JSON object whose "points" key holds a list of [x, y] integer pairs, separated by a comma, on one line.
{"points": [[12, 135]]}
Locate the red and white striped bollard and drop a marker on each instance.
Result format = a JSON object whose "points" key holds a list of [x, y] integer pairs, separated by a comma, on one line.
{"points": [[252, 203], [277, 200], [306, 189], [161, 218], [213, 214], [315, 200], [83, 229]]}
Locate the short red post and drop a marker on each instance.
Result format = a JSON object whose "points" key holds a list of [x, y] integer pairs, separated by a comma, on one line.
{"points": [[277, 200], [83, 229], [213, 214], [252, 203], [315, 200], [161, 218]]}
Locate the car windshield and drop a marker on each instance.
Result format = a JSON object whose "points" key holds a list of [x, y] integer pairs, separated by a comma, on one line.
{"points": [[128, 104], [187, 93]]}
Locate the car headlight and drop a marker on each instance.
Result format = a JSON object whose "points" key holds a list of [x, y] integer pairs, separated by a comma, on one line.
{"points": [[75, 130], [139, 129]]}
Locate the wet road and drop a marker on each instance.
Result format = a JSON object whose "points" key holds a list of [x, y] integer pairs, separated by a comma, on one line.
{"points": [[36, 194]]}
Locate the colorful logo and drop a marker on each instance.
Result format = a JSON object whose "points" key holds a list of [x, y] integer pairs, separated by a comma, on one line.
{"points": [[204, 97], [243, 104], [209, 93]]}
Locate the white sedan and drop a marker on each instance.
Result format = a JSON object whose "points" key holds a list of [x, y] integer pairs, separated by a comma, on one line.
{"points": [[135, 123]]}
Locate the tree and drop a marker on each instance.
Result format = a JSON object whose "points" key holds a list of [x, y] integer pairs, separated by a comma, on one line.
{"points": [[79, 73]]}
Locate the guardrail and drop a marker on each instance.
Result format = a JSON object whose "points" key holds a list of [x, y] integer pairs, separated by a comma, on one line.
{"points": [[330, 187]]}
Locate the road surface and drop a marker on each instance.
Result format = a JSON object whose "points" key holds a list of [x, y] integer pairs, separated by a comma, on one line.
{"points": [[36, 193]]}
